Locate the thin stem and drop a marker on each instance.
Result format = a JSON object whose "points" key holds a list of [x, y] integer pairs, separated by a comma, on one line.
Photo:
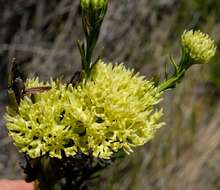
{"points": [[180, 70], [47, 179], [92, 21], [171, 83]]}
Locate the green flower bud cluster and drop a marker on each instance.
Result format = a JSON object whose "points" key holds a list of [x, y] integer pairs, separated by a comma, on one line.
{"points": [[112, 110], [199, 46], [94, 4]]}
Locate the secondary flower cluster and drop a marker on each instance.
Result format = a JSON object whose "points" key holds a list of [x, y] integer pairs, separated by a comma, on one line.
{"points": [[199, 46], [114, 109]]}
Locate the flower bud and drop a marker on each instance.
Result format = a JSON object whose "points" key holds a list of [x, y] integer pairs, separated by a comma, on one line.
{"points": [[98, 4], [94, 4], [85, 4], [199, 46]]}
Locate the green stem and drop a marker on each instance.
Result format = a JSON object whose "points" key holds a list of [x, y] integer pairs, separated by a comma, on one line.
{"points": [[46, 176], [180, 70], [39, 185], [171, 83], [92, 22]]}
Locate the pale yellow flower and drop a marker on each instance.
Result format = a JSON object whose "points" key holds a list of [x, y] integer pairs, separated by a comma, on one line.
{"points": [[199, 46], [112, 110]]}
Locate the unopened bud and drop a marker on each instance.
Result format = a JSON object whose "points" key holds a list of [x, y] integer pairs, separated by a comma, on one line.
{"points": [[94, 4]]}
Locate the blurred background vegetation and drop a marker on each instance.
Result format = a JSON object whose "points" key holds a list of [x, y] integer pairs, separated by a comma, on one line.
{"points": [[185, 154]]}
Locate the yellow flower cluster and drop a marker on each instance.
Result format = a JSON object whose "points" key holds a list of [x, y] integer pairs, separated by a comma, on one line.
{"points": [[112, 110], [199, 46]]}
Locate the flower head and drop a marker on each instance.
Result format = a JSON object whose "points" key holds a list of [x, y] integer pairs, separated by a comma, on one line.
{"points": [[112, 110], [199, 46], [37, 129]]}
